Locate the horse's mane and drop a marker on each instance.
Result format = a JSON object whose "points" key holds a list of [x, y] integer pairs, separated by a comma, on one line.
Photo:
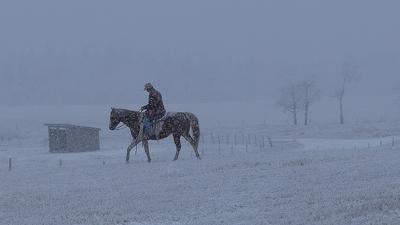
{"points": [[126, 112]]}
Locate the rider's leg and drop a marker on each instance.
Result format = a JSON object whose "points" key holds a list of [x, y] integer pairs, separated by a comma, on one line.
{"points": [[157, 125], [141, 135]]}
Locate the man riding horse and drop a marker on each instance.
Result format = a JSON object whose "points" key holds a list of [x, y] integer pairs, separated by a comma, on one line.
{"points": [[177, 124], [154, 110]]}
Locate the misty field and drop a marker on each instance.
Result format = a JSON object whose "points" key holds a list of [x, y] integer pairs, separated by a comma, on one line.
{"points": [[325, 174]]}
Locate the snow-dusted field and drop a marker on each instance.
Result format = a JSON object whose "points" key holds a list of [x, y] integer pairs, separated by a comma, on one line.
{"points": [[310, 176]]}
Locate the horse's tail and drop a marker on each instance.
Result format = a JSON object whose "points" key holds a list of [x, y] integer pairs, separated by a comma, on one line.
{"points": [[194, 124]]}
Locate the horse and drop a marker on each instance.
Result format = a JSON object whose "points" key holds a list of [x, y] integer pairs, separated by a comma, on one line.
{"points": [[177, 124]]}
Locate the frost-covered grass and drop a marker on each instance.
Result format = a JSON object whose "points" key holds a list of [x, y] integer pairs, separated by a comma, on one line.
{"points": [[273, 186], [303, 179]]}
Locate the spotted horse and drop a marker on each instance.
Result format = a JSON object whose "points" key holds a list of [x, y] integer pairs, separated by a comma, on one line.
{"points": [[177, 124]]}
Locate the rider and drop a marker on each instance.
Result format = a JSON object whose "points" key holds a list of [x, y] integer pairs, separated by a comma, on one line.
{"points": [[154, 109]]}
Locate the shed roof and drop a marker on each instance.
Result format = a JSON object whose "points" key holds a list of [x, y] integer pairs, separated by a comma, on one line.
{"points": [[69, 126]]}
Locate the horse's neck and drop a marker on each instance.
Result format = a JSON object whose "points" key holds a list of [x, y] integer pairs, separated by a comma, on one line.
{"points": [[130, 118]]}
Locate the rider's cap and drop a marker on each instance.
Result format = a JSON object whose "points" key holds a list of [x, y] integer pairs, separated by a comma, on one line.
{"points": [[148, 86]]}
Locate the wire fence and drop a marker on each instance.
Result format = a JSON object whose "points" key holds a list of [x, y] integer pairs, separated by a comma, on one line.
{"points": [[236, 143]]}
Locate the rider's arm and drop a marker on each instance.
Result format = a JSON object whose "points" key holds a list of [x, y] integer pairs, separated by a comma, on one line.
{"points": [[150, 103]]}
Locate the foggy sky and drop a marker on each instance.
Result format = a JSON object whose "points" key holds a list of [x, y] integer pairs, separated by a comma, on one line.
{"points": [[96, 51]]}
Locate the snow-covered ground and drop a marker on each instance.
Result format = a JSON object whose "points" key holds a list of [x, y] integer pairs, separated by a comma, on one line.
{"points": [[325, 174]]}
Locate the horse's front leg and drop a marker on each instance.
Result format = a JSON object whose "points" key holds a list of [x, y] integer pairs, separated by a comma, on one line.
{"points": [[128, 150], [146, 149]]}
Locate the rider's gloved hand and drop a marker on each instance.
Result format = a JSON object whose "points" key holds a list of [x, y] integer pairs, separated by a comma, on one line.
{"points": [[143, 108]]}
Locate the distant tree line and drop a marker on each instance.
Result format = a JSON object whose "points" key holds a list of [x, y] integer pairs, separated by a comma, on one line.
{"points": [[298, 96]]}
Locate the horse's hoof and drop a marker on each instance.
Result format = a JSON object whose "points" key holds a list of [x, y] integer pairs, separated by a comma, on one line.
{"points": [[149, 161], [127, 161]]}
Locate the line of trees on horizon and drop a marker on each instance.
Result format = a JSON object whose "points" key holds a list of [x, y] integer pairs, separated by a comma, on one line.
{"points": [[298, 96]]}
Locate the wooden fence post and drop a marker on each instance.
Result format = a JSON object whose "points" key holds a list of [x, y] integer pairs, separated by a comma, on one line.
{"points": [[270, 141], [9, 164], [219, 145], [263, 142], [235, 139]]}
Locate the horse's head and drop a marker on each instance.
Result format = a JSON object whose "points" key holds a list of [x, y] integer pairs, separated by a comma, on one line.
{"points": [[114, 119]]}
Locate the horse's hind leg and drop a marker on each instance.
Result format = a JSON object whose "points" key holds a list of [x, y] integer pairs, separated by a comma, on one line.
{"points": [[193, 144], [146, 149], [177, 140]]}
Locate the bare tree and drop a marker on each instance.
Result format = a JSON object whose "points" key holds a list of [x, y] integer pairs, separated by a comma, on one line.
{"points": [[348, 75], [311, 95], [290, 100]]}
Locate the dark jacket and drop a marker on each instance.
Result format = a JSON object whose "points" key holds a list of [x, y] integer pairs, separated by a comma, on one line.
{"points": [[155, 108]]}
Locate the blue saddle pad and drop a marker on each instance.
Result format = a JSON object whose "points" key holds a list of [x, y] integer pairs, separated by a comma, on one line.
{"points": [[149, 129]]}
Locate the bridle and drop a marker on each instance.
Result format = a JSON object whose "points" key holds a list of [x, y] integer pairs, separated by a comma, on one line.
{"points": [[122, 126]]}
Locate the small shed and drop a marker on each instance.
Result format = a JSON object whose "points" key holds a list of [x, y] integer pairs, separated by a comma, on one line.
{"points": [[73, 138]]}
